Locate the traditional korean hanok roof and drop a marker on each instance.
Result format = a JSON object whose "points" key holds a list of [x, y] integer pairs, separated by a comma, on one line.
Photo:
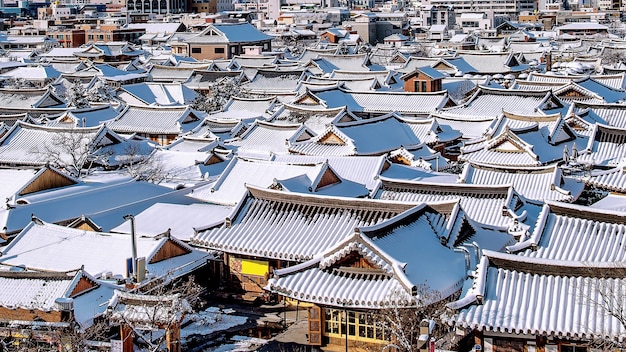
{"points": [[387, 78], [61, 53], [291, 226], [70, 202], [355, 84], [492, 205], [420, 156], [613, 180], [373, 136], [541, 143], [111, 73], [606, 146], [469, 128], [406, 275], [214, 128], [357, 62], [363, 169], [168, 74], [314, 118], [87, 117], [229, 33], [617, 81], [179, 220], [39, 73], [231, 184], [533, 183], [246, 109], [155, 120], [274, 82], [156, 94], [192, 167], [555, 298], [492, 63], [608, 93], [558, 224], [39, 245], [109, 50], [28, 144], [311, 53], [256, 61], [262, 138], [39, 290], [202, 79], [489, 102], [406, 103], [607, 114], [24, 99], [148, 311]]}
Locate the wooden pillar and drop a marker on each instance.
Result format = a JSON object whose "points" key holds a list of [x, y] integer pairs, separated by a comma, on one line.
{"points": [[126, 334], [478, 339], [172, 336]]}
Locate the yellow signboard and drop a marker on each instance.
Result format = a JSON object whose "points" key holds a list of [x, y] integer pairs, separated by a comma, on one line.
{"points": [[254, 267]]}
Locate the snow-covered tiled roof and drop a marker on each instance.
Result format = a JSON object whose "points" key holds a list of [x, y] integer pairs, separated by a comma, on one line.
{"points": [[383, 102], [156, 94], [537, 183], [606, 146], [40, 246], [487, 102], [71, 202], [178, 219], [155, 120], [291, 226], [399, 275], [551, 298], [264, 138], [613, 179], [482, 204], [229, 33]]}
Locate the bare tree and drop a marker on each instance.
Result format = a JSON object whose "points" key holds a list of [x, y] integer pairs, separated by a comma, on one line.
{"points": [[142, 163], [602, 289], [101, 92], [157, 310], [404, 318], [71, 151]]}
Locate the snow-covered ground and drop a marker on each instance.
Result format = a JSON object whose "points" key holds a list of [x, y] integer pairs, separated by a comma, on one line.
{"points": [[240, 343], [209, 321]]}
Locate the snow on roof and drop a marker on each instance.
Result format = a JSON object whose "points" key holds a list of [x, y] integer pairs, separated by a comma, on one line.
{"points": [[229, 33], [363, 169], [606, 146], [291, 226], [383, 102], [155, 120], [482, 204], [155, 94], [265, 137], [488, 102], [231, 185], [396, 273], [536, 289], [71, 202], [32, 73], [536, 184], [39, 246], [179, 219]]}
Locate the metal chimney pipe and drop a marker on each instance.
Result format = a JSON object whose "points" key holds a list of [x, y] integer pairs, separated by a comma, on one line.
{"points": [[134, 243]]}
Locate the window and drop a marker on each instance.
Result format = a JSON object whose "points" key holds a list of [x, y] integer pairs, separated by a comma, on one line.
{"points": [[196, 50], [361, 326], [423, 86], [219, 50]]}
